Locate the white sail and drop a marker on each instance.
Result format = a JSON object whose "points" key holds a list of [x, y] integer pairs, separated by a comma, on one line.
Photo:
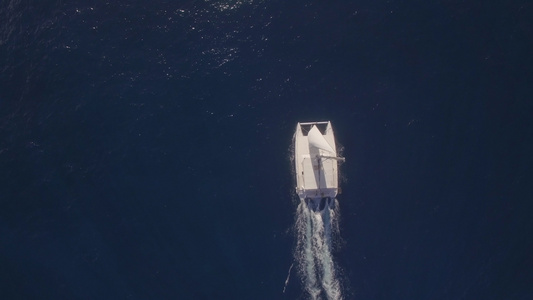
{"points": [[317, 140]]}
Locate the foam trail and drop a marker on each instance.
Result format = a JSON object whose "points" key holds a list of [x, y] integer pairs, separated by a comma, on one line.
{"points": [[330, 283], [288, 278], [316, 231], [305, 253]]}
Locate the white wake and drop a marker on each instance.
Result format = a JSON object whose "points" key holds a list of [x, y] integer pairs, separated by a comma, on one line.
{"points": [[317, 232]]}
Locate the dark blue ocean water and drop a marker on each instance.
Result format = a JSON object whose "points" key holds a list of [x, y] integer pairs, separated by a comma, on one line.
{"points": [[145, 146]]}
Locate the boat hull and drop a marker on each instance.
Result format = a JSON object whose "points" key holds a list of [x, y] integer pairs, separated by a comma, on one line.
{"points": [[316, 164]]}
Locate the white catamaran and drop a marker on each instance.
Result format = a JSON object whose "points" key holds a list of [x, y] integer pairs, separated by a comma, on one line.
{"points": [[316, 160]]}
